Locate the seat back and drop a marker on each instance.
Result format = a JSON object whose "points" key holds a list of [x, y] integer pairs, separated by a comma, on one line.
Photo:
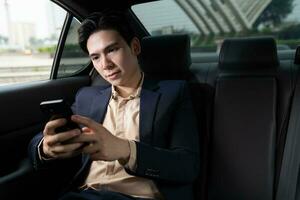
{"points": [[166, 56], [244, 127]]}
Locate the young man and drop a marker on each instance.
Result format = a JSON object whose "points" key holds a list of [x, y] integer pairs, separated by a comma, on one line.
{"points": [[139, 138]]}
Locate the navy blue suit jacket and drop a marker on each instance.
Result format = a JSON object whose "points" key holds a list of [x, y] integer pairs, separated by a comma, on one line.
{"points": [[168, 150]]}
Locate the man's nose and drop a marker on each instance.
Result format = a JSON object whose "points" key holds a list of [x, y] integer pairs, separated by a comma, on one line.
{"points": [[106, 62]]}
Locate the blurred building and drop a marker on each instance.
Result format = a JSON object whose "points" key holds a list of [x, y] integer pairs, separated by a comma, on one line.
{"points": [[8, 21], [55, 17], [22, 34], [223, 16]]}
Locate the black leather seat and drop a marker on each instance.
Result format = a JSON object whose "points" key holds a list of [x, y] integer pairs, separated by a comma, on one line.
{"points": [[251, 99], [166, 56]]}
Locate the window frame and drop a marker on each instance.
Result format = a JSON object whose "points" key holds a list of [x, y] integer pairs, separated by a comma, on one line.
{"points": [[60, 48]]}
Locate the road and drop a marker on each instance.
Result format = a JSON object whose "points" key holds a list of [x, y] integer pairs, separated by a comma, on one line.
{"points": [[17, 68], [17, 60]]}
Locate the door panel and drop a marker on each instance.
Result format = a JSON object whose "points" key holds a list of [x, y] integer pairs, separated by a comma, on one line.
{"points": [[21, 118]]}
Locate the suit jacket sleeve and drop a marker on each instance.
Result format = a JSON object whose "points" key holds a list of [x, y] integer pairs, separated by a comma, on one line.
{"points": [[179, 161], [33, 151], [46, 164]]}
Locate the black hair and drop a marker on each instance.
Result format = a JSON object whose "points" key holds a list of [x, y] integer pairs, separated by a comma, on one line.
{"points": [[106, 20]]}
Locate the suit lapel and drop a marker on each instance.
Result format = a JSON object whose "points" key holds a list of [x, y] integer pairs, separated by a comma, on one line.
{"points": [[98, 108], [148, 106], [97, 113]]}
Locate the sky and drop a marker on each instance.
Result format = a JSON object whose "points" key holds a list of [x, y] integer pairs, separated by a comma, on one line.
{"points": [[19, 13], [295, 15]]}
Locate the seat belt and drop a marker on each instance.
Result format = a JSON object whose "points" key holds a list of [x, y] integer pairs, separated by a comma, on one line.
{"points": [[288, 178]]}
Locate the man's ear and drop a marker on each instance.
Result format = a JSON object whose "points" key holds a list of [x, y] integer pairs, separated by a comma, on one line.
{"points": [[135, 46]]}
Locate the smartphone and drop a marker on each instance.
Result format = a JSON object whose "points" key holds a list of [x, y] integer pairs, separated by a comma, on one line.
{"points": [[56, 109]]}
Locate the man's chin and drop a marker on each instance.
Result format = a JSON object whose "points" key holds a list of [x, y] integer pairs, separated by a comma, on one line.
{"points": [[117, 82]]}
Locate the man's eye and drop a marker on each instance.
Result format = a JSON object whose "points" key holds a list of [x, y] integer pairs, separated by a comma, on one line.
{"points": [[95, 58], [113, 49]]}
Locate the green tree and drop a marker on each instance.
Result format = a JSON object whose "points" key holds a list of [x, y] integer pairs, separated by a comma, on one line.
{"points": [[290, 32], [275, 12]]}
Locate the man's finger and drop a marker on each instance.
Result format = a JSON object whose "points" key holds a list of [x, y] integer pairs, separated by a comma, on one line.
{"points": [[83, 138], [52, 125], [68, 154], [59, 149], [64, 136], [84, 121]]}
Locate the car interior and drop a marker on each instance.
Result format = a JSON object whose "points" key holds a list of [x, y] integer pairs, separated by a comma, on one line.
{"points": [[245, 98]]}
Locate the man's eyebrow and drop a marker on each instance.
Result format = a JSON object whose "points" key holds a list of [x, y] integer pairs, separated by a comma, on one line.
{"points": [[105, 49], [93, 54], [111, 45]]}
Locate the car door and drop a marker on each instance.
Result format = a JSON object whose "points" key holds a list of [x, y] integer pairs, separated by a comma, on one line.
{"points": [[21, 117]]}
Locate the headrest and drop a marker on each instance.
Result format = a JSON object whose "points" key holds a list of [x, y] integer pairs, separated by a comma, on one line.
{"points": [[248, 53], [166, 56], [297, 56]]}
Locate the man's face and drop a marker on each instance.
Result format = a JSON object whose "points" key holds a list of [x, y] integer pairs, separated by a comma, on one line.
{"points": [[113, 58]]}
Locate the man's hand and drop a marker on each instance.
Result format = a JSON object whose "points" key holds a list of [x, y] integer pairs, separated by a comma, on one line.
{"points": [[53, 144], [102, 145]]}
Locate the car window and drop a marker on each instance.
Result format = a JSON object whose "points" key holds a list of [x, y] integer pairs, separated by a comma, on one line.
{"points": [[73, 59], [209, 22], [29, 36]]}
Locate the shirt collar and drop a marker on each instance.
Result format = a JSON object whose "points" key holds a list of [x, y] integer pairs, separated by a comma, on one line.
{"points": [[137, 93]]}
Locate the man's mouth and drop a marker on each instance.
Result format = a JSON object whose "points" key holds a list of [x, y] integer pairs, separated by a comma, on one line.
{"points": [[111, 75]]}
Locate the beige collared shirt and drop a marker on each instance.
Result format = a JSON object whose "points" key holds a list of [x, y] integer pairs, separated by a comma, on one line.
{"points": [[122, 120]]}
